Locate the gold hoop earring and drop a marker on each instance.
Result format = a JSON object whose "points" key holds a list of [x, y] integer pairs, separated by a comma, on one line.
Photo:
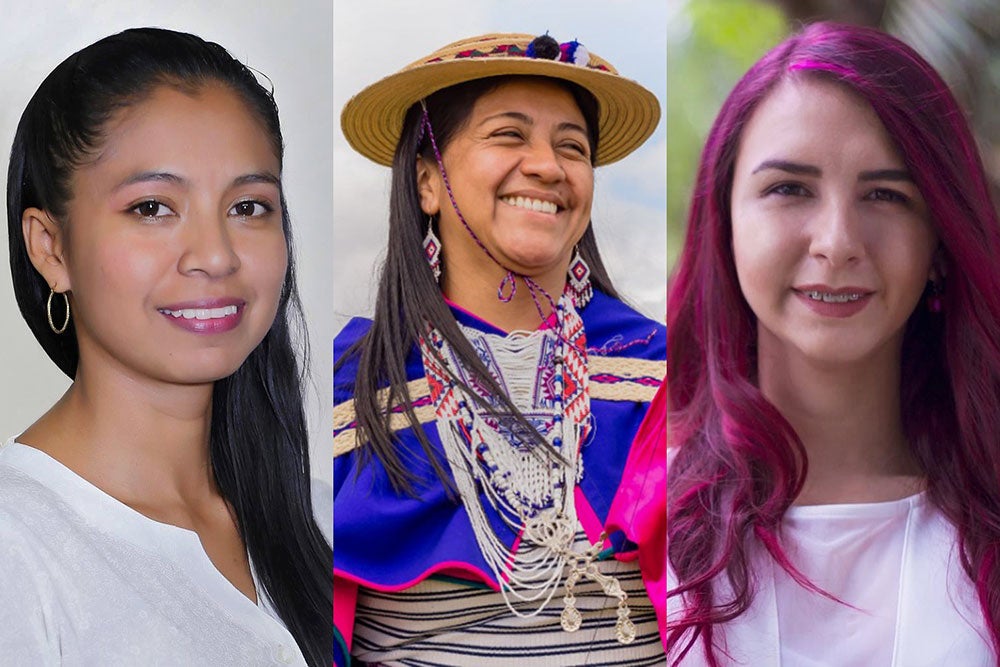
{"points": [[48, 311]]}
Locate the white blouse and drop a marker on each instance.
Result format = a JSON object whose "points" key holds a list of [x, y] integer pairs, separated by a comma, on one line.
{"points": [[86, 580], [895, 565]]}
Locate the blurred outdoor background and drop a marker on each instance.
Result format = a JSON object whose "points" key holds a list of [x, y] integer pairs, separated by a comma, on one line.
{"points": [[711, 43]]}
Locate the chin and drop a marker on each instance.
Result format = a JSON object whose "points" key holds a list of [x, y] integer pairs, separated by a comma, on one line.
{"points": [[534, 260], [839, 352], [204, 369]]}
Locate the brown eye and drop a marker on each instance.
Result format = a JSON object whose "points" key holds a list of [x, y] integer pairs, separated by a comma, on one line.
{"points": [[887, 195], [151, 209], [788, 190], [249, 209]]}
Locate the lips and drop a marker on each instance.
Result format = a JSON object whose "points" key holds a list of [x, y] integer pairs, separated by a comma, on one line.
{"points": [[205, 315]]}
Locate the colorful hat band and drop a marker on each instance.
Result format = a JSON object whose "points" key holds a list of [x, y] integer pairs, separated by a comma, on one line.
{"points": [[543, 48]]}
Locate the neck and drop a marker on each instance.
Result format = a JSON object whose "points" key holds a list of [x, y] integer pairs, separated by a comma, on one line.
{"points": [[848, 418], [476, 291], [143, 442]]}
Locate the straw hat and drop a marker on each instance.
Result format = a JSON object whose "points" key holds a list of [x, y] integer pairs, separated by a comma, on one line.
{"points": [[628, 113]]}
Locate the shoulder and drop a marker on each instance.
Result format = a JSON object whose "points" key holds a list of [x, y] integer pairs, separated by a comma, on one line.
{"points": [[25, 500], [626, 351], [345, 359], [30, 513], [350, 334], [616, 329]]}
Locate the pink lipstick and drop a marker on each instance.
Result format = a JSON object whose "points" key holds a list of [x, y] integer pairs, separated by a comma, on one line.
{"points": [[205, 316]]}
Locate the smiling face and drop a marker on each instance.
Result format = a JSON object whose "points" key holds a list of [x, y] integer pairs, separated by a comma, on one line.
{"points": [[831, 237], [172, 247], [520, 169]]}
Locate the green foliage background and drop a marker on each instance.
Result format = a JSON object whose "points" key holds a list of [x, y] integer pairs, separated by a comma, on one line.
{"points": [[710, 44]]}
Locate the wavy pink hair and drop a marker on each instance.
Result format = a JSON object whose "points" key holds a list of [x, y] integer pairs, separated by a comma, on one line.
{"points": [[739, 464]]}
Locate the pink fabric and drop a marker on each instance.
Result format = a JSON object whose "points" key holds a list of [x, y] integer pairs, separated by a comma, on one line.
{"points": [[588, 518], [640, 507], [345, 601]]}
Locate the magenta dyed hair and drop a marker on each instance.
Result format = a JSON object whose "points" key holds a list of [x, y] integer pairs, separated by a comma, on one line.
{"points": [[738, 463]]}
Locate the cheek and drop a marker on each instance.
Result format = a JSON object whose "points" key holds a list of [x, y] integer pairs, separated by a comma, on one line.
{"points": [[765, 256], [584, 190], [264, 261], [911, 260], [117, 266]]}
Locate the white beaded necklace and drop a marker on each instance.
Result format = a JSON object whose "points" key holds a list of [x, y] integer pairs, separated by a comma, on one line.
{"points": [[544, 374]]}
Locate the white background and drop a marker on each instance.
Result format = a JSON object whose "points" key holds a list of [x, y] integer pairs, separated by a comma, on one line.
{"points": [[375, 39], [290, 42]]}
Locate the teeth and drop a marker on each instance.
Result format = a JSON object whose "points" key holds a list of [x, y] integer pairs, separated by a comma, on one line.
{"points": [[539, 205], [201, 313], [832, 298]]}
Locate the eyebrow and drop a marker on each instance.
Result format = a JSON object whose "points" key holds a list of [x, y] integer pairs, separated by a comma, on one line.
{"points": [[528, 120], [810, 170], [265, 177], [886, 175], [166, 177], [790, 167], [150, 177]]}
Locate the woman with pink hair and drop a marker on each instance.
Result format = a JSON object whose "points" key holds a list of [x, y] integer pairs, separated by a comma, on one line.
{"points": [[833, 485]]}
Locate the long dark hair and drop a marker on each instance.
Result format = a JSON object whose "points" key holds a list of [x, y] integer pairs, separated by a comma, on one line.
{"points": [[409, 299], [739, 464], [258, 441]]}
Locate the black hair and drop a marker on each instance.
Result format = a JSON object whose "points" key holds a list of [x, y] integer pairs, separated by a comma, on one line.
{"points": [[258, 441], [409, 298]]}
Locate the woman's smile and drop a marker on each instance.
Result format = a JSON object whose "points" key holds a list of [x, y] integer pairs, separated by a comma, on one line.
{"points": [[206, 316], [532, 204]]}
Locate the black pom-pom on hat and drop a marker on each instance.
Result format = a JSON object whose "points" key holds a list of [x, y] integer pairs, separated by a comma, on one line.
{"points": [[544, 47]]}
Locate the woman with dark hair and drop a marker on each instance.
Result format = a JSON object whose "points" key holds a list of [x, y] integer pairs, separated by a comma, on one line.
{"points": [[161, 511], [482, 418], [833, 489]]}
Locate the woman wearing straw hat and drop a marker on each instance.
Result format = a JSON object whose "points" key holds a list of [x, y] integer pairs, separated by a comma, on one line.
{"points": [[483, 417]]}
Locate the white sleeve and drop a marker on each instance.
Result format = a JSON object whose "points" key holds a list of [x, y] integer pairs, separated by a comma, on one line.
{"points": [[28, 632]]}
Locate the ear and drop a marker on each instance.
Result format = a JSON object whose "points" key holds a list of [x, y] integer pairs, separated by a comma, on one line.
{"points": [[44, 240], [429, 186]]}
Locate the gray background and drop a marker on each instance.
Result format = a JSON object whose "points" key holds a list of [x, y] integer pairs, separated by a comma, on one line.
{"points": [[290, 42]]}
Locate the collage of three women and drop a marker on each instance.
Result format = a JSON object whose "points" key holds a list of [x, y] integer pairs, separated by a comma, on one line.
{"points": [[631, 333]]}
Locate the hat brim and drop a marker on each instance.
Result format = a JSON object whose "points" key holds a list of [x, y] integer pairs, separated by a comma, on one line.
{"points": [[372, 120]]}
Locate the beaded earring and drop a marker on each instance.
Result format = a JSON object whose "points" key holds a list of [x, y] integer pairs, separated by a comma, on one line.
{"points": [[432, 249], [579, 280]]}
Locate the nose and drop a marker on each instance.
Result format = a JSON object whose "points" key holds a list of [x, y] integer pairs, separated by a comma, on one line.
{"points": [[542, 162], [837, 236], [208, 247]]}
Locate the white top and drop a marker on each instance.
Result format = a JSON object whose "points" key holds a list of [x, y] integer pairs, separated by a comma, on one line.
{"points": [[895, 563], [86, 580]]}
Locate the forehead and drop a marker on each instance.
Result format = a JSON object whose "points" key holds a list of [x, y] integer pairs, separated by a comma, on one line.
{"points": [[208, 126], [821, 121], [535, 97]]}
